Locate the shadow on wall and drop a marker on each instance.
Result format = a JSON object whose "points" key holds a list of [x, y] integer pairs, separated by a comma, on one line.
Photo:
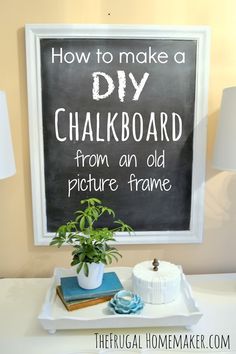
{"points": [[220, 185], [220, 209]]}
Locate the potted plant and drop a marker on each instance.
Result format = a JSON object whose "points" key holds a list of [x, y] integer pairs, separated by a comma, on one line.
{"points": [[91, 248]]}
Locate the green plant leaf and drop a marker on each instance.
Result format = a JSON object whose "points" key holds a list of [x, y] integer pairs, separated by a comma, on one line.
{"points": [[109, 258], [115, 257], [95, 214], [111, 212], [74, 262], [86, 269], [82, 257], [79, 267], [90, 220], [79, 212], [90, 201], [82, 223]]}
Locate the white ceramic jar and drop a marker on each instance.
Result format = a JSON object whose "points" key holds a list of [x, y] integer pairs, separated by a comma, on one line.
{"points": [[157, 287]]}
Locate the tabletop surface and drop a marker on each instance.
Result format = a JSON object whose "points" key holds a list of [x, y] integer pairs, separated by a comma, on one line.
{"points": [[20, 331]]}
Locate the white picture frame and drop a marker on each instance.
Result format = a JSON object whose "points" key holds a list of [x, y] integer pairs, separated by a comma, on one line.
{"points": [[201, 34]]}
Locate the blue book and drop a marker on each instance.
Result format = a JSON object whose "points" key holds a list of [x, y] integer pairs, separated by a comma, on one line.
{"points": [[72, 291]]}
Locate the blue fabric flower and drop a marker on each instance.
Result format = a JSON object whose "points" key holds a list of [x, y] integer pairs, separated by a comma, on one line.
{"points": [[126, 302]]}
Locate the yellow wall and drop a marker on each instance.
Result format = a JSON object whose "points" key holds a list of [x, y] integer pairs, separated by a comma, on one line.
{"points": [[18, 255]]}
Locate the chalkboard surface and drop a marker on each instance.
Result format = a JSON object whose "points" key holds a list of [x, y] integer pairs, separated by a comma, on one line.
{"points": [[118, 118]]}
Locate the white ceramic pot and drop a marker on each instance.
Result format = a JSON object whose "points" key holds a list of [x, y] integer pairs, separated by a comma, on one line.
{"points": [[94, 278]]}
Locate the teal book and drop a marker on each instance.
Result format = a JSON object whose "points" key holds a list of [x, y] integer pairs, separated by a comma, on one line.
{"points": [[72, 291]]}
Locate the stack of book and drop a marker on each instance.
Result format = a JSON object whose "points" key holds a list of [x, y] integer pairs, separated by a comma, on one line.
{"points": [[74, 297]]}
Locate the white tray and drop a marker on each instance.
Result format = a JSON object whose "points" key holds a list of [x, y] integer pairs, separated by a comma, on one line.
{"points": [[181, 312]]}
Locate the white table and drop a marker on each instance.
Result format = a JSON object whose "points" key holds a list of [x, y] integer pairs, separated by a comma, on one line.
{"points": [[21, 332]]}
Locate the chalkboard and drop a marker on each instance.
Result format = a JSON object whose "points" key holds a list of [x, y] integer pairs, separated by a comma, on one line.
{"points": [[118, 122]]}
